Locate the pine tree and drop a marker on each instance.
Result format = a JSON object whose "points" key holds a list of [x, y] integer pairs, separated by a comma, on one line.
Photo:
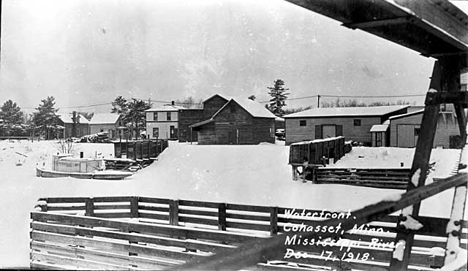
{"points": [[278, 100], [46, 117], [11, 117], [132, 112], [136, 114]]}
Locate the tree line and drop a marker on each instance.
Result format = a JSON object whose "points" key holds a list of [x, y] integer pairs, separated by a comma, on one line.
{"points": [[46, 122]]}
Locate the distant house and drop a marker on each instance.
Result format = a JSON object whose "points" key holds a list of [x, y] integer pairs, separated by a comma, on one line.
{"points": [[405, 129], [163, 122], [238, 121], [107, 123], [354, 123], [77, 128], [188, 117]]}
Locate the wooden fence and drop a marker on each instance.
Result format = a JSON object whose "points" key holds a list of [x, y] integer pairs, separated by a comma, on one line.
{"points": [[316, 152], [141, 149], [155, 233], [393, 178]]}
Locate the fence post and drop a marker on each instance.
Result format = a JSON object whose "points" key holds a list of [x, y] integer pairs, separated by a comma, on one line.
{"points": [[41, 205], [274, 220], [174, 212], [222, 217], [134, 207], [89, 207]]}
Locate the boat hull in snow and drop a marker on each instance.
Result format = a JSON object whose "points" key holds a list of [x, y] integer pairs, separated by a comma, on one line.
{"points": [[99, 175]]}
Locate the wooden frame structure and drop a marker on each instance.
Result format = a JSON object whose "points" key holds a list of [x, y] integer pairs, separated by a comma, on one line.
{"points": [[157, 233]]}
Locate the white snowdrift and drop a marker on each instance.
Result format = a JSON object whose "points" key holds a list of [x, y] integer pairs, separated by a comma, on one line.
{"points": [[237, 174]]}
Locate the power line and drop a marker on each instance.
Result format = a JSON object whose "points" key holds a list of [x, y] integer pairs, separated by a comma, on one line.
{"points": [[353, 96]]}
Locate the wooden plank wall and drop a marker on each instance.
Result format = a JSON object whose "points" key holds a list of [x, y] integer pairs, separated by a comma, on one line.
{"points": [[142, 149], [156, 233]]}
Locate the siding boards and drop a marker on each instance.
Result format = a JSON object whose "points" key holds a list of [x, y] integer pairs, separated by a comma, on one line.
{"points": [[446, 126], [234, 125], [297, 133], [189, 117]]}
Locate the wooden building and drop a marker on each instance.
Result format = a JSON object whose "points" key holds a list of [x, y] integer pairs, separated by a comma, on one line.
{"points": [[106, 123], [404, 129], [163, 122], [354, 123], [237, 122], [78, 128], [188, 117]]}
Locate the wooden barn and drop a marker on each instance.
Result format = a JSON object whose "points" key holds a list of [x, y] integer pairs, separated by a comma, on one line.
{"points": [[404, 129], [354, 123], [237, 122], [188, 117]]}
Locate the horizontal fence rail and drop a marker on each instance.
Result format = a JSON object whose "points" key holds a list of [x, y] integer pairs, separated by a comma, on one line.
{"points": [[156, 233]]}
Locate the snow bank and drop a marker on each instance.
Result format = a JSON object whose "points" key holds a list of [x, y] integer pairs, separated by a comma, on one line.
{"points": [[257, 175]]}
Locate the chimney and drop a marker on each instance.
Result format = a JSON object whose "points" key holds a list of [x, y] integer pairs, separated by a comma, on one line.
{"points": [[172, 103]]}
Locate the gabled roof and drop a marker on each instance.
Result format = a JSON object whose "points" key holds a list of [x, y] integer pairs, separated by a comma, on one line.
{"points": [[104, 118], [347, 111], [166, 108], [255, 109], [68, 119], [218, 95]]}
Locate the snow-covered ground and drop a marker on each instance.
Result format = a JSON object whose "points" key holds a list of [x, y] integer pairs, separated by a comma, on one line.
{"points": [[237, 174]]}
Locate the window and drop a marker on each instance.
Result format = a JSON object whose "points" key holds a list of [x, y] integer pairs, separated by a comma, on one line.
{"points": [[357, 122], [155, 116], [156, 132], [417, 131], [233, 108], [168, 115], [302, 123]]}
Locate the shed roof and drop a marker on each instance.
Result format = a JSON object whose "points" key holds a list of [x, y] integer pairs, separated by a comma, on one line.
{"points": [[347, 111], [68, 119], [379, 128], [104, 118], [406, 115]]}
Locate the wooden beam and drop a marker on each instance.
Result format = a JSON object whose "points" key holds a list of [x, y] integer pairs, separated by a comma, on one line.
{"points": [[433, 28], [259, 251], [460, 98], [378, 23]]}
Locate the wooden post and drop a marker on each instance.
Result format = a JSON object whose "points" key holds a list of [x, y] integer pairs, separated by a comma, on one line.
{"points": [[174, 212], [273, 220], [134, 151], [134, 207], [222, 224], [294, 172], [445, 74], [89, 206]]}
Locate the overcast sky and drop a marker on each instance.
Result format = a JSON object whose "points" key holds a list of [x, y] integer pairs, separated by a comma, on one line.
{"points": [[87, 52]]}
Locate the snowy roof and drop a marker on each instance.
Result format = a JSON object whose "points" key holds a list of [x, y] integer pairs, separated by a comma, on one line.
{"points": [[407, 114], [166, 108], [68, 118], [104, 118], [347, 111], [254, 108], [379, 128], [221, 96]]}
